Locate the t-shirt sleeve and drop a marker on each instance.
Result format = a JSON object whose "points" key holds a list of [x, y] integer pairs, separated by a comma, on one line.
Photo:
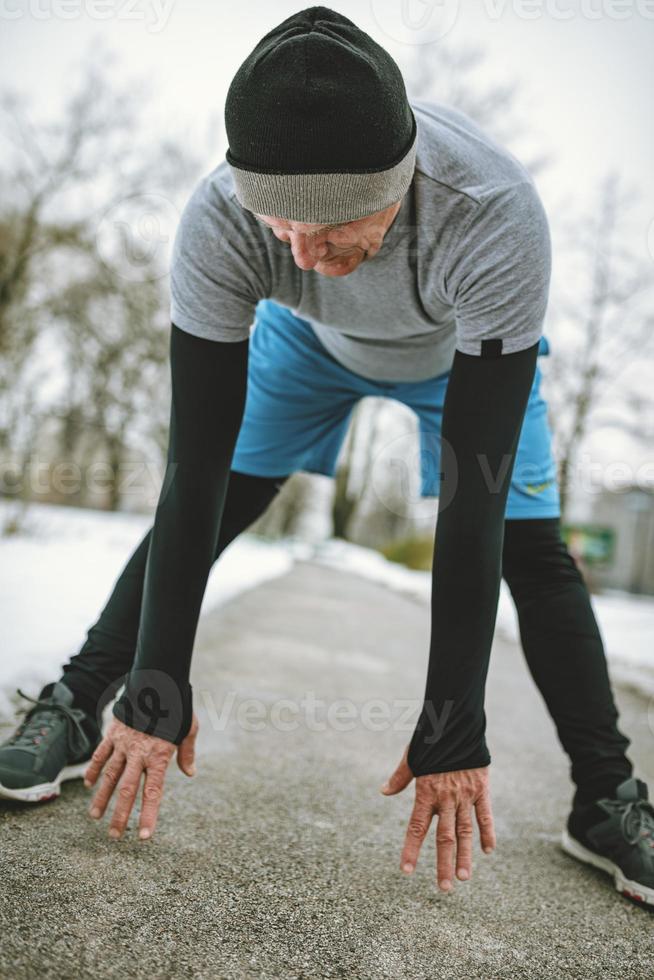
{"points": [[499, 275], [217, 272]]}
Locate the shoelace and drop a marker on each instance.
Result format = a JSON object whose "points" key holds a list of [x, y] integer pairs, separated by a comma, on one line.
{"points": [[636, 819], [35, 725]]}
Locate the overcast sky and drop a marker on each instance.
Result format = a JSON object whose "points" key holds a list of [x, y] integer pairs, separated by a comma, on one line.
{"points": [[585, 67]]}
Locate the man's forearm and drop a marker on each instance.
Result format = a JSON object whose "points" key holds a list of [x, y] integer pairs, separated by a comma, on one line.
{"points": [[483, 413], [208, 395]]}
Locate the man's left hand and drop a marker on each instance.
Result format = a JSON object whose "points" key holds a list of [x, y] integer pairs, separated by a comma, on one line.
{"points": [[451, 796]]}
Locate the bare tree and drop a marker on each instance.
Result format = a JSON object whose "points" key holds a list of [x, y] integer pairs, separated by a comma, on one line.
{"points": [[283, 517], [65, 280], [455, 75], [115, 359], [604, 334], [346, 496]]}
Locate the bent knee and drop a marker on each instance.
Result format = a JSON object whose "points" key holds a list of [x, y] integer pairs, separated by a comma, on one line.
{"points": [[534, 551]]}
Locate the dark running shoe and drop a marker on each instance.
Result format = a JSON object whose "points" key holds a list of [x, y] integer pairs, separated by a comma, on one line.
{"points": [[54, 742], [617, 836]]}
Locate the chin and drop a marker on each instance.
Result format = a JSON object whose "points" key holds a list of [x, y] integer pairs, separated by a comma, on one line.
{"points": [[339, 267]]}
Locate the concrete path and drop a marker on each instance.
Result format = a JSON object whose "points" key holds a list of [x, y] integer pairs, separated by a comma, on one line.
{"points": [[280, 859]]}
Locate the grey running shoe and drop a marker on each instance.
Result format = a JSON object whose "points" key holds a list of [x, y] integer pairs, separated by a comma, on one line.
{"points": [[54, 742], [617, 836]]}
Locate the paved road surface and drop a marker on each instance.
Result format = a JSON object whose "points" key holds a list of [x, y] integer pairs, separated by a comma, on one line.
{"points": [[280, 859]]}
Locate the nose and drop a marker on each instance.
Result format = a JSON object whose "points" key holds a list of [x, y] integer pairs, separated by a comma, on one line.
{"points": [[307, 252]]}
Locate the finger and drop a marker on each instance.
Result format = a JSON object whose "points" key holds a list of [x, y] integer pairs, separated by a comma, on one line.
{"points": [[98, 759], [416, 832], [152, 796], [445, 845], [125, 797], [400, 778], [484, 814], [110, 776], [186, 750], [464, 835]]}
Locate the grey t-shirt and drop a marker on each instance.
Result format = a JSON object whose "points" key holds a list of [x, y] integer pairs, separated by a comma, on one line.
{"points": [[466, 260]]}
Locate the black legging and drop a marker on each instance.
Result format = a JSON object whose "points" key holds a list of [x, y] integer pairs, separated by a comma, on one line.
{"points": [[565, 654], [558, 630]]}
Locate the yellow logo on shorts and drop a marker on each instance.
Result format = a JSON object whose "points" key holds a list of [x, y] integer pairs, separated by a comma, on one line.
{"points": [[535, 488]]}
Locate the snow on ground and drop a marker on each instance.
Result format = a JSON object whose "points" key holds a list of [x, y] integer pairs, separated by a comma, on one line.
{"points": [[626, 621], [627, 626], [56, 575]]}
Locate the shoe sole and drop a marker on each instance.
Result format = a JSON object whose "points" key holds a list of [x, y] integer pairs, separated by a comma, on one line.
{"points": [[631, 889], [45, 791]]}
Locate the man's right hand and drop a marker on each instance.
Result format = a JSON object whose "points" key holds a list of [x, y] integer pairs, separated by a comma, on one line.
{"points": [[451, 797], [123, 756]]}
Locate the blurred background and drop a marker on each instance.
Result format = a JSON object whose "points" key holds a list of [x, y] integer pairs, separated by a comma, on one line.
{"points": [[111, 111]]}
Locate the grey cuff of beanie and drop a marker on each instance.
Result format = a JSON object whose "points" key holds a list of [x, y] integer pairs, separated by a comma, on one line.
{"points": [[330, 198]]}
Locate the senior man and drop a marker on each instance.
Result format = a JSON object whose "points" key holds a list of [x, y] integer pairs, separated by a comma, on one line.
{"points": [[382, 247]]}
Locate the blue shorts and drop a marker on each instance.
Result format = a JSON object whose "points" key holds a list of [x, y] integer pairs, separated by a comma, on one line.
{"points": [[300, 399]]}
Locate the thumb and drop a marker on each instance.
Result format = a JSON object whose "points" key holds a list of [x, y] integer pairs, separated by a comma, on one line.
{"points": [[400, 778], [186, 749]]}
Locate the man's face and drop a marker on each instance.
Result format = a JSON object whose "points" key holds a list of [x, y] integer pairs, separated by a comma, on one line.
{"points": [[333, 250]]}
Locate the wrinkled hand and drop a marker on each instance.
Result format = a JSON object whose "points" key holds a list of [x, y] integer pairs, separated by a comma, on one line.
{"points": [[122, 757], [451, 796]]}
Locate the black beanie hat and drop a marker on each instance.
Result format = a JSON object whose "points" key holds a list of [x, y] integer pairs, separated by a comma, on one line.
{"points": [[318, 123]]}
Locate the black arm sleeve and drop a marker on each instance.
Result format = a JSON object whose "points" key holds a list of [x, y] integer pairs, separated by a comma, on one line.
{"points": [[209, 380], [484, 407]]}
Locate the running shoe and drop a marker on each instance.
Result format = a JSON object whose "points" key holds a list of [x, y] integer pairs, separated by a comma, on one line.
{"points": [[617, 836], [53, 743]]}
